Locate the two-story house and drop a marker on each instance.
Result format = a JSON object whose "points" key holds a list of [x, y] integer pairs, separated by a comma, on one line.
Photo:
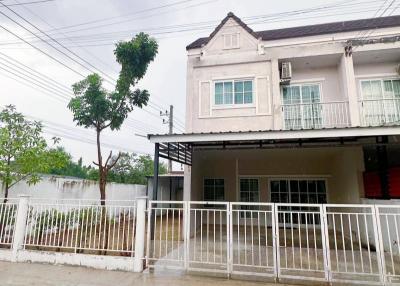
{"points": [[298, 115], [292, 140]]}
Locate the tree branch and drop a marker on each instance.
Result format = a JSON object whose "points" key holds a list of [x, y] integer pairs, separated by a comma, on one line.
{"points": [[108, 159], [114, 163]]}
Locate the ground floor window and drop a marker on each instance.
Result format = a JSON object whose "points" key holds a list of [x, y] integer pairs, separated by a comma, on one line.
{"points": [[303, 191], [249, 193], [214, 190], [249, 190]]}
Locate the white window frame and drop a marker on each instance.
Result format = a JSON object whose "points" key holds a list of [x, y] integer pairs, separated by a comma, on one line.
{"points": [[233, 104], [300, 84], [209, 178], [258, 188], [305, 83], [381, 79], [231, 35], [298, 178]]}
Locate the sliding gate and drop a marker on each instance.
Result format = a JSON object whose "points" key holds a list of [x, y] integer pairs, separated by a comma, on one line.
{"points": [[334, 243]]}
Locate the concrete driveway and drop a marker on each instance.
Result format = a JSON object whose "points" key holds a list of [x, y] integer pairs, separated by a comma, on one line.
{"points": [[16, 274]]}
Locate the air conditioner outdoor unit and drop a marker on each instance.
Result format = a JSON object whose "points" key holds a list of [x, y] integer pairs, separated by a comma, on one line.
{"points": [[286, 72]]}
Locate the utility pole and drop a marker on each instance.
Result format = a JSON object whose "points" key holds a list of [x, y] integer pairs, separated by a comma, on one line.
{"points": [[170, 121]]}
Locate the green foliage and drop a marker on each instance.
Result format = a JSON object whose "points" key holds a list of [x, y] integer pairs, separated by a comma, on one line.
{"points": [[71, 168], [24, 153], [95, 107], [130, 169]]}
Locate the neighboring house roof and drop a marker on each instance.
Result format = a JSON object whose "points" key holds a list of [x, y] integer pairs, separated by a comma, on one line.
{"points": [[305, 31], [173, 174]]}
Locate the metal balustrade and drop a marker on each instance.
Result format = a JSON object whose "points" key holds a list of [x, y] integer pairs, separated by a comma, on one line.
{"points": [[8, 213], [377, 112], [316, 115], [81, 227]]}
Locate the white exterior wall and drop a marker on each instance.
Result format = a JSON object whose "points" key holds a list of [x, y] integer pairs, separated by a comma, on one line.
{"points": [[315, 59], [59, 188], [341, 167]]}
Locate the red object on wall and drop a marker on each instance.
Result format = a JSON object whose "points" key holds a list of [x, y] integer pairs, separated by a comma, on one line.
{"points": [[394, 182], [372, 185]]}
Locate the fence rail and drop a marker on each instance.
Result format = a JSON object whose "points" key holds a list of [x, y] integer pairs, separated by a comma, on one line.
{"points": [[329, 242], [333, 243], [8, 213], [81, 228]]}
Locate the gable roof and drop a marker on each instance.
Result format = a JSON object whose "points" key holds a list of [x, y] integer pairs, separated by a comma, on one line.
{"points": [[305, 31], [202, 41]]}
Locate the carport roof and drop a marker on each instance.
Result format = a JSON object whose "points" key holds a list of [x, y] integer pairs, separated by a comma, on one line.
{"points": [[275, 134]]}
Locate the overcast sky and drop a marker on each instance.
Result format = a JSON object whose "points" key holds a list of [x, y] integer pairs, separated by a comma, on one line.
{"points": [[90, 28]]}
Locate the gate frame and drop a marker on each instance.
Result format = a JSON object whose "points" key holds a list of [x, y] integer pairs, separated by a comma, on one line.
{"points": [[273, 227], [228, 239], [228, 209]]}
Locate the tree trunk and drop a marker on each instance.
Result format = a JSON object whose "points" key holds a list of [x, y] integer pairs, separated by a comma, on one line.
{"points": [[102, 187], [7, 187], [102, 171]]}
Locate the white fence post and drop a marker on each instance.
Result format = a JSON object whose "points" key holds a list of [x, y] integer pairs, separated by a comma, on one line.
{"points": [[140, 233], [20, 226]]}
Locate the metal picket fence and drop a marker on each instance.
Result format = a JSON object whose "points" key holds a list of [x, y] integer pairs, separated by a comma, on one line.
{"points": [[331, 242], [8, 213], [82, 226]]}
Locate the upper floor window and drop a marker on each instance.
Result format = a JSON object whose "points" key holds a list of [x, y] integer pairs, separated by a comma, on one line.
{"points": [[233, 92], [231, 41], [380, 89]]}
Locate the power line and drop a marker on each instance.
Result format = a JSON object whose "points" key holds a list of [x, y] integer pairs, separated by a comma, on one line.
{"points": [[54, 40], [29, 3], [123, 15], [114, 81]]}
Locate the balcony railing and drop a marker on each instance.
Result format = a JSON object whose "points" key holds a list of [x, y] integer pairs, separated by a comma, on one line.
{"points": [[316, 115], [377, 112]]}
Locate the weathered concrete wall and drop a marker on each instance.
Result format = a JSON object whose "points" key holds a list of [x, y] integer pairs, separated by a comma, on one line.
{"points": [[58, 188]]}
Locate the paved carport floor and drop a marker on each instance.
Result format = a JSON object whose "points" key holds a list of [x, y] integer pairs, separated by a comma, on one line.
{"points": [[16, 274]]}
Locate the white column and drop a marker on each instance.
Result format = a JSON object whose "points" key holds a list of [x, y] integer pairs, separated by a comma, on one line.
{"points": [[346, 69], [276, 95], [140, 237], [20, 226]]}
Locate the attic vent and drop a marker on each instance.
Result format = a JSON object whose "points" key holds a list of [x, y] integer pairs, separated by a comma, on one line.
{"points": [[231, 41], [286, 72]]}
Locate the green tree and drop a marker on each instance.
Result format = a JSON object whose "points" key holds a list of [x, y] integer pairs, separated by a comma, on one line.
{"points": [[131, 169], [71, 168], [96, 108], [24, 153]]}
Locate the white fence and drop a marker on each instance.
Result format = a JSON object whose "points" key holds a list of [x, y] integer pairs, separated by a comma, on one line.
{"points": [[326, 243], [84, 232]]}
